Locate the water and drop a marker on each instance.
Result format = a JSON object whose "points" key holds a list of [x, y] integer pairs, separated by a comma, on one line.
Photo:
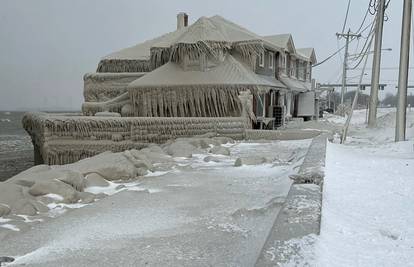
{"points": [[16, 150]]}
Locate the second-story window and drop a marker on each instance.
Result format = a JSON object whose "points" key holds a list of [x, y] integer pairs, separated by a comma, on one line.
{"points": [[288, 64], [305, 71], [292, 68], [309, 72], [261, 59], [300, 69], [271, 60], [282, 64]]}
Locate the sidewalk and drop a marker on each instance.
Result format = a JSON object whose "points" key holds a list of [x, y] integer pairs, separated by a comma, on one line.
{"points": [[368, 215], [300, 215]]}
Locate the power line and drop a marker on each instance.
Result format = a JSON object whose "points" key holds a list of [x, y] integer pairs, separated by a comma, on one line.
{"points": [[348, 37], [384, 68], [365, 51], [363, 20], [359, 32], [373, 5], [368, 38], [346, 16], [331, 56]]}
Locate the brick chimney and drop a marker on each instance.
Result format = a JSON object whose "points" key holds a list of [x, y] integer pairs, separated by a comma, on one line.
{"points": [[182, 20]]}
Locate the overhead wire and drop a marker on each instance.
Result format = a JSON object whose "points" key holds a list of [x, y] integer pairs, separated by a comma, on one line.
{"points": [[346, 16], [363, 53], [372, 5], [329, 57], [365, 48]]}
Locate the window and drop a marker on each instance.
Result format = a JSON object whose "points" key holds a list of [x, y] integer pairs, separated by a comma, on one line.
{"points": [[305, 70], [282, 63], [261, 59], [293, 68], [288, 64], [260, 105], [271, 58], [300, 70], [298, 64]]}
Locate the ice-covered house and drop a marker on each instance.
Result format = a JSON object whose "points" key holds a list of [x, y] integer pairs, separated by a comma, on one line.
{"points": [[211, 76], [293, 68], [273, 59]]}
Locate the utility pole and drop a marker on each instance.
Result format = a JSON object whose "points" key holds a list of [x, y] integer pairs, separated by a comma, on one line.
{"points": [[348, 36], [355, 102], [403, 72], [376, 65]]}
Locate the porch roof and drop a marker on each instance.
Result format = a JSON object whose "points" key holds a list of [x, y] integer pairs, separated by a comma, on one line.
{"points": [[296, 85], [277, 84]]}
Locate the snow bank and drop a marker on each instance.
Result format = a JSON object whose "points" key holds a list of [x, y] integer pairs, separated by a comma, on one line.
{"points": [[367, 214]]}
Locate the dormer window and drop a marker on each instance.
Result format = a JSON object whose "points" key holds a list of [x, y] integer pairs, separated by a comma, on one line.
{"points": [[261, 59], [271, 60]]}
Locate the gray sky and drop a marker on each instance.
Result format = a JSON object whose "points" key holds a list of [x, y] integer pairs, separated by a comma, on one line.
{"points": [[47, 45]]}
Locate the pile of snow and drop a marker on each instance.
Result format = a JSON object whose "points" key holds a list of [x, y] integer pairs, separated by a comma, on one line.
{"points": [[49, 191]]}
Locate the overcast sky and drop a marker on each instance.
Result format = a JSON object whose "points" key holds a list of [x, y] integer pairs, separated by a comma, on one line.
{"points": [[46, 46]]}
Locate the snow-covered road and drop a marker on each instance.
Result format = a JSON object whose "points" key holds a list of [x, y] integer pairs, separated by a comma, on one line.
{"points": [[203, 214]]}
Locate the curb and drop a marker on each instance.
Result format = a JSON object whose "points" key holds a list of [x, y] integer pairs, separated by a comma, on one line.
{"points": [[300, 215]]}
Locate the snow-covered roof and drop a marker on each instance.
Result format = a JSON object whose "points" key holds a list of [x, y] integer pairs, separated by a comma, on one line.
{"points": [[215, 28], [284, 41], [296, 85], [308, 53], [234, 32], [207, 36], [141, 51], [229, 72]]}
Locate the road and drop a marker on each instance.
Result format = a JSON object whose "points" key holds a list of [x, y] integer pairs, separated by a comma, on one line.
{"points": [[200, 215]]}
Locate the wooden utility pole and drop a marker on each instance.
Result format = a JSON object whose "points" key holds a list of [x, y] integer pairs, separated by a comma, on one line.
{"points": [[376, 65], [403, 73], [348, 37]]}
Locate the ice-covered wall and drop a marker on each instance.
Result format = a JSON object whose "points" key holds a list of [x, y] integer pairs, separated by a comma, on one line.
{"points": [[61, 139]]}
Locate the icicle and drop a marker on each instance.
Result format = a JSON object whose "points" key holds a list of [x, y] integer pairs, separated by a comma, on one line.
{"points": [[124, 65]]}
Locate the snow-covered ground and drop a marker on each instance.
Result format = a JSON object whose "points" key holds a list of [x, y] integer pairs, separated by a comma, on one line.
{"points": [[197, 213], [367, 208], [203, 210]]}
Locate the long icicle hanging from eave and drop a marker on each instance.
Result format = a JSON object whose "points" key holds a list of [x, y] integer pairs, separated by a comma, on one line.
{"points": [[188, 101]]}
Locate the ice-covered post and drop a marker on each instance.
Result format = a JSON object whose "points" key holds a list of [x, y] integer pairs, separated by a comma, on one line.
{"points": [[288, 104], [282, 104], [246, 100]]}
